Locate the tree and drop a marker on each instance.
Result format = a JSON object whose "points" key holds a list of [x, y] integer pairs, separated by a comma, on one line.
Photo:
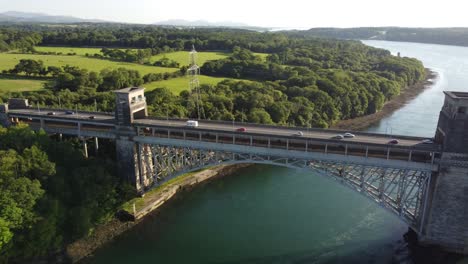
{"points": [[29, 67], [119, 78]]}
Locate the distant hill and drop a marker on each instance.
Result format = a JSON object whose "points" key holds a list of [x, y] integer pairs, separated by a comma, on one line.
{"points": [[445, 36], [204, 23], [26, 17]]}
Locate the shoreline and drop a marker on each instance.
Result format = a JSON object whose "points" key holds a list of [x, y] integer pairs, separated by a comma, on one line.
{"points": [[406, 95], [84, 248]]}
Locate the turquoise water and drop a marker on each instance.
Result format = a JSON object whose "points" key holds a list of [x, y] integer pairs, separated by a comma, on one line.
{"points": [[265, 214]]}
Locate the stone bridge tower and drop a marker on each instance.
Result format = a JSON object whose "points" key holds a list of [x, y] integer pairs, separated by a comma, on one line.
{"points": [[130, 104], [447, 221]]}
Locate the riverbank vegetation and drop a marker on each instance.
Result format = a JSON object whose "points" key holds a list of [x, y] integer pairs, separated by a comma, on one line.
{"points": [[50, 194]]}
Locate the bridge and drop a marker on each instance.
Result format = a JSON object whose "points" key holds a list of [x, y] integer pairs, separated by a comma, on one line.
{"points": [[425, 183]]}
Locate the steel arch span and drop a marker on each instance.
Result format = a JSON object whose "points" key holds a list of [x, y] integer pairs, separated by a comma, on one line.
{"points": [[402, 191]]}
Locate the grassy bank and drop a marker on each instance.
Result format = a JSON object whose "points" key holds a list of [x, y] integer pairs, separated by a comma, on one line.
{"points": [[141, 202]]}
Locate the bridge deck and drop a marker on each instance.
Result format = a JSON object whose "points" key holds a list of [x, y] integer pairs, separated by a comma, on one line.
{"points": [[108, 120], [313, 134]]}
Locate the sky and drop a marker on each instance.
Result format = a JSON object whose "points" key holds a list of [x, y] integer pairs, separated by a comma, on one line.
{"points": [[267, 13]]}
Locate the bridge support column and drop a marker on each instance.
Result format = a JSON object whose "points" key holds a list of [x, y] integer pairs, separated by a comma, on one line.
{"points": [[447, 209], [85, 148], [96, 145], [127, 165]]}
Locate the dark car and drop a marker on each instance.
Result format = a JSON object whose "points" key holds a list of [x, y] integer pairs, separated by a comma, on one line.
{"points": [[241, 129], [51, 113], [69, 112], [393, 141], [91, 117], [338, 137]]}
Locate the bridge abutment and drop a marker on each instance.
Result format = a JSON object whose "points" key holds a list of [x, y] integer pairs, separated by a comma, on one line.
{"points": [[447, 224], [127, 161]]}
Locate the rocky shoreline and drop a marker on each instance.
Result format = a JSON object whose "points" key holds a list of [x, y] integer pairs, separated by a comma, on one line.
{"points": [[124, 221], [407, 94]]}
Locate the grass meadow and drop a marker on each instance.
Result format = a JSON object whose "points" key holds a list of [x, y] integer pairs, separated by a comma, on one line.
{"points": [[66, 50], [176, 85], [183, 57], [20, 85], [8, 61], [180, 84]]}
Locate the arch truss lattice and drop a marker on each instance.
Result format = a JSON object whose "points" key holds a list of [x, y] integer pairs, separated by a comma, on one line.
{"points": [[400, 190]]}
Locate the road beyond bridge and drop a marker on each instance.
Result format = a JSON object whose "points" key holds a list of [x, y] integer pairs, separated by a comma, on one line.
{"points": [[424, 182]]}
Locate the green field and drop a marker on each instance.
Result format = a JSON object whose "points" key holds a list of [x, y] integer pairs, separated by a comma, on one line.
{"points": [[262, 55], [20, 85], [177, 85], [66, 50], [8, 61], [182, 57]]}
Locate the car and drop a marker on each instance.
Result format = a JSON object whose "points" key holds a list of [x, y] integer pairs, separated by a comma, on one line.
{"points": [[91, 117], [338, 137], [241, 129], [68, 112], [393, 141], [348, 135], [191, 123], [51, 113], [427, 141], [298, 134]]}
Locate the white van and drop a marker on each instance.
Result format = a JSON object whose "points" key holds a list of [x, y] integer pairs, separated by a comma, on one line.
{"points": [[191, 123]]}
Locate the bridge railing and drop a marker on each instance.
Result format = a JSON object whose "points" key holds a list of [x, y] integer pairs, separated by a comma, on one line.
{"points": [[327, 146], [292, 128], [51, 109], [172, 129]]}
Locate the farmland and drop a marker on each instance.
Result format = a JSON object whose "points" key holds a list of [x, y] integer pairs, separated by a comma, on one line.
{"points": [[182, 57], [9, 60], [177, 85], [20, 85], [66, 50]]}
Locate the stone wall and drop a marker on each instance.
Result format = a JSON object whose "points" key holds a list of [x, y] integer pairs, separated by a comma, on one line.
{"points": [[448, 219]]}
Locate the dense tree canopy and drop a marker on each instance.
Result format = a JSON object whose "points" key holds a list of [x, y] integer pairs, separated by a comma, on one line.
{"points": [[50, 194]]}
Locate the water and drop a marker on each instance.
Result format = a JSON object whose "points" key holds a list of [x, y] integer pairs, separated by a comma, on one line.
{"points": [[419, 116], [266, 214]]}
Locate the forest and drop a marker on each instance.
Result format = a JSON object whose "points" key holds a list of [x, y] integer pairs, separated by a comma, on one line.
{"points": [[51, 195], [444, 36]]}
